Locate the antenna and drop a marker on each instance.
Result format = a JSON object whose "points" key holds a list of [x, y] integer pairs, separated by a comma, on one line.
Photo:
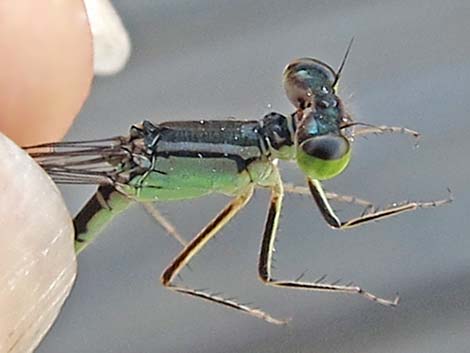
{"points": [[338, 73]]}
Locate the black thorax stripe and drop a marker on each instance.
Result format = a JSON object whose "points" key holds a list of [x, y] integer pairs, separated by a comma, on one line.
{"points": [[240, 141]]}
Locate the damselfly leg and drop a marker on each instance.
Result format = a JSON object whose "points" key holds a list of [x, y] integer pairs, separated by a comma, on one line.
{"points": [[267, 250], [169, 228], [332, 219], [197, 244]]}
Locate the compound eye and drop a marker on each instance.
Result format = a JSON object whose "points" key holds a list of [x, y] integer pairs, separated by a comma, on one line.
{"points": [[326, 147], [323, 157], [306, 77]]}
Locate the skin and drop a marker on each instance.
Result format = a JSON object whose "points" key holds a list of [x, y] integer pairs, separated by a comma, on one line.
{"points": [[45, 78]]}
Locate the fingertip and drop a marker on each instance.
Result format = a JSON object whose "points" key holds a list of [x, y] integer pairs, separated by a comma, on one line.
{"points": [[46, 68], [36, 248]]}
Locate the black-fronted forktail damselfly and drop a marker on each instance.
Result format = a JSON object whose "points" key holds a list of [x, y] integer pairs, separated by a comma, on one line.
{"points": [[188, 159]]}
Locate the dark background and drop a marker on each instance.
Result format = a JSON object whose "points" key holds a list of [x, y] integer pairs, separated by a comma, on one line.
{"points": [[212, 59]]}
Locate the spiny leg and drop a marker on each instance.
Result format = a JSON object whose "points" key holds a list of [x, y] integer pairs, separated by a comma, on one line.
{"points": [[164, 223], [329, 215], [267, 250], [207, 233], [382, 129], [303, 190]]}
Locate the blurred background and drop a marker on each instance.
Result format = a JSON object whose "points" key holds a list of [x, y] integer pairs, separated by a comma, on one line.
{"points": [[213, 59]]}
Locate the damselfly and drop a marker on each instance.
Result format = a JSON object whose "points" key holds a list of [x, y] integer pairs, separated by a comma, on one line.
{"points": [[183, 160]]}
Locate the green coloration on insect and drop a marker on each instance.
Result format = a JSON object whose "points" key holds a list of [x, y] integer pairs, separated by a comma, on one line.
{"points": [[188, 159]]}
